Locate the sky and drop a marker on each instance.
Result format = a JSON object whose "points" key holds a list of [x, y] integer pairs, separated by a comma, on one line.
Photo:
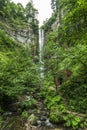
{"points": [[43, 7]]}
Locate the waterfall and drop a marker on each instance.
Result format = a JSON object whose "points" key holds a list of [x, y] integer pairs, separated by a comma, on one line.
{"points": [[41, 43]]}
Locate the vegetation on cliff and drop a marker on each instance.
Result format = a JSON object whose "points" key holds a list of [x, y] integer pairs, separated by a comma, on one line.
{"points": [[17, 62], [66, 50], [63, 89]]}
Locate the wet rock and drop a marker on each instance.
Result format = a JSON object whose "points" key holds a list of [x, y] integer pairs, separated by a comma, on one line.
{"points": [[28, 98], [7, 114], [27, 93], [43, 118], [43, 113], [38, 122], [43, 123], [48, 123]]}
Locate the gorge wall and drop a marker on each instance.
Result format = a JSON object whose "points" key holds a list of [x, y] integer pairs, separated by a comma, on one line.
{"points": [[20, 23]]}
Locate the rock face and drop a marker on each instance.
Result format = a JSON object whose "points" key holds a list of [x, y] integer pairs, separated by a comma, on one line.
{"points": [[58, 20], [23, 34]]}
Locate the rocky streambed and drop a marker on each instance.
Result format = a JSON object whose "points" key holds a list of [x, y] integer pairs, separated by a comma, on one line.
{"points": [[38, 116]]}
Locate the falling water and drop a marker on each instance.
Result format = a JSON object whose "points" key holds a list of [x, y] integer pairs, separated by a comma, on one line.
{"points": [[41, 43]]}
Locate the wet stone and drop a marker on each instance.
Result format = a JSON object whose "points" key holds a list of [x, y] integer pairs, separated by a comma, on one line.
{"points": [[48, 123], [43, 118], [39, 122], [7, 114], [43, 123]]}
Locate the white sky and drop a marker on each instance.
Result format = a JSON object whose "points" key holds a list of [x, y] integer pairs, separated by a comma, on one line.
{"points": [[43, 7]]}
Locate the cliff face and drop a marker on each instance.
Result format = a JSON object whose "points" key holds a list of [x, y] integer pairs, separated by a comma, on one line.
{"points": [[60, 14], [21, 33], [20, 23], [56, 19], [24, 36]]}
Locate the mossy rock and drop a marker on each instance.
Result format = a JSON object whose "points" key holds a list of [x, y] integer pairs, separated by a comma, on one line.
{"points": [[33, 119]]}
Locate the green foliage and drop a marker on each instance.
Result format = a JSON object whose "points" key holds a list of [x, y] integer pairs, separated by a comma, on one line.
{"points": [[81, 2], [54, 104], [16, 74], [73, 90], [25, 105], [6, 42], [66, 48], [56, 4], [71, 120], [49, 23], [56, 116], [83, 123], [16, 16], [59, 113], [24, 115], [52, 101], [1, 121], [1, 110]]}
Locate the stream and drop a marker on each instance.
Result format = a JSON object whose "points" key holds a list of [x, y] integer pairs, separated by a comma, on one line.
{"points": [[13, 120]]}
